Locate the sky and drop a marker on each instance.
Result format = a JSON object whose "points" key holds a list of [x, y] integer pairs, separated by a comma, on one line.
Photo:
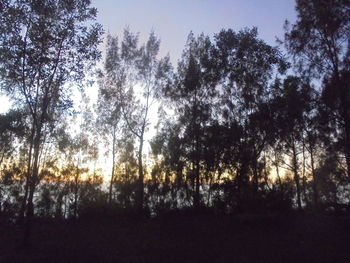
{"points": [[172, 20]]}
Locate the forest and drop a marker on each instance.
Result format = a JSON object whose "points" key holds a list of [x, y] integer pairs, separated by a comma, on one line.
{"points": [[244, 130]]}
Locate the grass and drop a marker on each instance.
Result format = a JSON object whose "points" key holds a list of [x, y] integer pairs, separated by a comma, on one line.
{"points": [[179, 238]]}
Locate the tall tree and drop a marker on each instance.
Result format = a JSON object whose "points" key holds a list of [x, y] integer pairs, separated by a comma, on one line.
{"points": [[44, 45], [137, 75], [190, 95], [290, 123], [245, 66], [108, 104], [319, 43]]}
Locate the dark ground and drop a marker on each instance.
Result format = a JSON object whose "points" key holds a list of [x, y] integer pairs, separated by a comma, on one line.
{"points": [[184, 239]]}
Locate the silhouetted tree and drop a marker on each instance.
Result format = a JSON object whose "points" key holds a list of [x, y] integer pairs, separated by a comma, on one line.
{"points": [[290, 123], [109, 104], [126, 178], [43, 46], [319, 43], [12, 127], [169, 153], [134, 69], [190, 95], [245, 66], [79, 150]]}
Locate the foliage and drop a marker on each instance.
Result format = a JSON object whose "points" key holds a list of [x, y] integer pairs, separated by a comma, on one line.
{"points": [[237, 132]]}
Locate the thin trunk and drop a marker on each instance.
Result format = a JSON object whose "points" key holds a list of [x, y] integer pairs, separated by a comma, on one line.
{"points": [[278, 172], [27, 178], [211, 177], [59, 204], [241, 173], [314, 180], [266, 178], [304, 173], [296, 176], [197, 184], [113, 167], [196, 199], [255, 175], [32, 185], [347, 140], [65, 207], [76, 189], [141, 176]]}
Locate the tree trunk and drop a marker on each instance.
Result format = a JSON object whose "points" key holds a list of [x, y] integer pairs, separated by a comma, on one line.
{"points": [[314, 179], [304, 174], [76, 189], [277, 172], [113, 167], [32, 186], [140, 189], [255, 175], [296, 176], [347, 140], [197, 154], [28, 176], [196, 198]]}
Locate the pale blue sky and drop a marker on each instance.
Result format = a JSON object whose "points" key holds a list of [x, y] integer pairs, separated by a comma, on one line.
{"points": [[172, 20]]}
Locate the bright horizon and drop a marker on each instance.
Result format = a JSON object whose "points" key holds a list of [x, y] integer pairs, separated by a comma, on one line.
{"points": [[173, 21]]}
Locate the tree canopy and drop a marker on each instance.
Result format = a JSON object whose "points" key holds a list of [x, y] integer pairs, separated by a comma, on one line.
{"points": [[242, 126]]}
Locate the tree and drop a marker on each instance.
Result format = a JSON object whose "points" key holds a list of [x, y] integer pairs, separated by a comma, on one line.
{"points": [[319, 44], [126, 177], [190, 95], [135, 69], [290, 122], [168, 149], [78, 152], [245, 66], [108, 105], [44, 45], [11, 127]]}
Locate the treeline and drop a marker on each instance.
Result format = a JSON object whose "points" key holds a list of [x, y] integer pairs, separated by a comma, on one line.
{"points": [[242, 126]]}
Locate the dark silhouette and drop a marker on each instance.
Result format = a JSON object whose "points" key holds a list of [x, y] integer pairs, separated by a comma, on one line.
{"points": [[249, 161], [43, 46]]}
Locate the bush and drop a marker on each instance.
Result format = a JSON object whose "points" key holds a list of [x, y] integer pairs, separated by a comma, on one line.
{"points": [[106, 211]]}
